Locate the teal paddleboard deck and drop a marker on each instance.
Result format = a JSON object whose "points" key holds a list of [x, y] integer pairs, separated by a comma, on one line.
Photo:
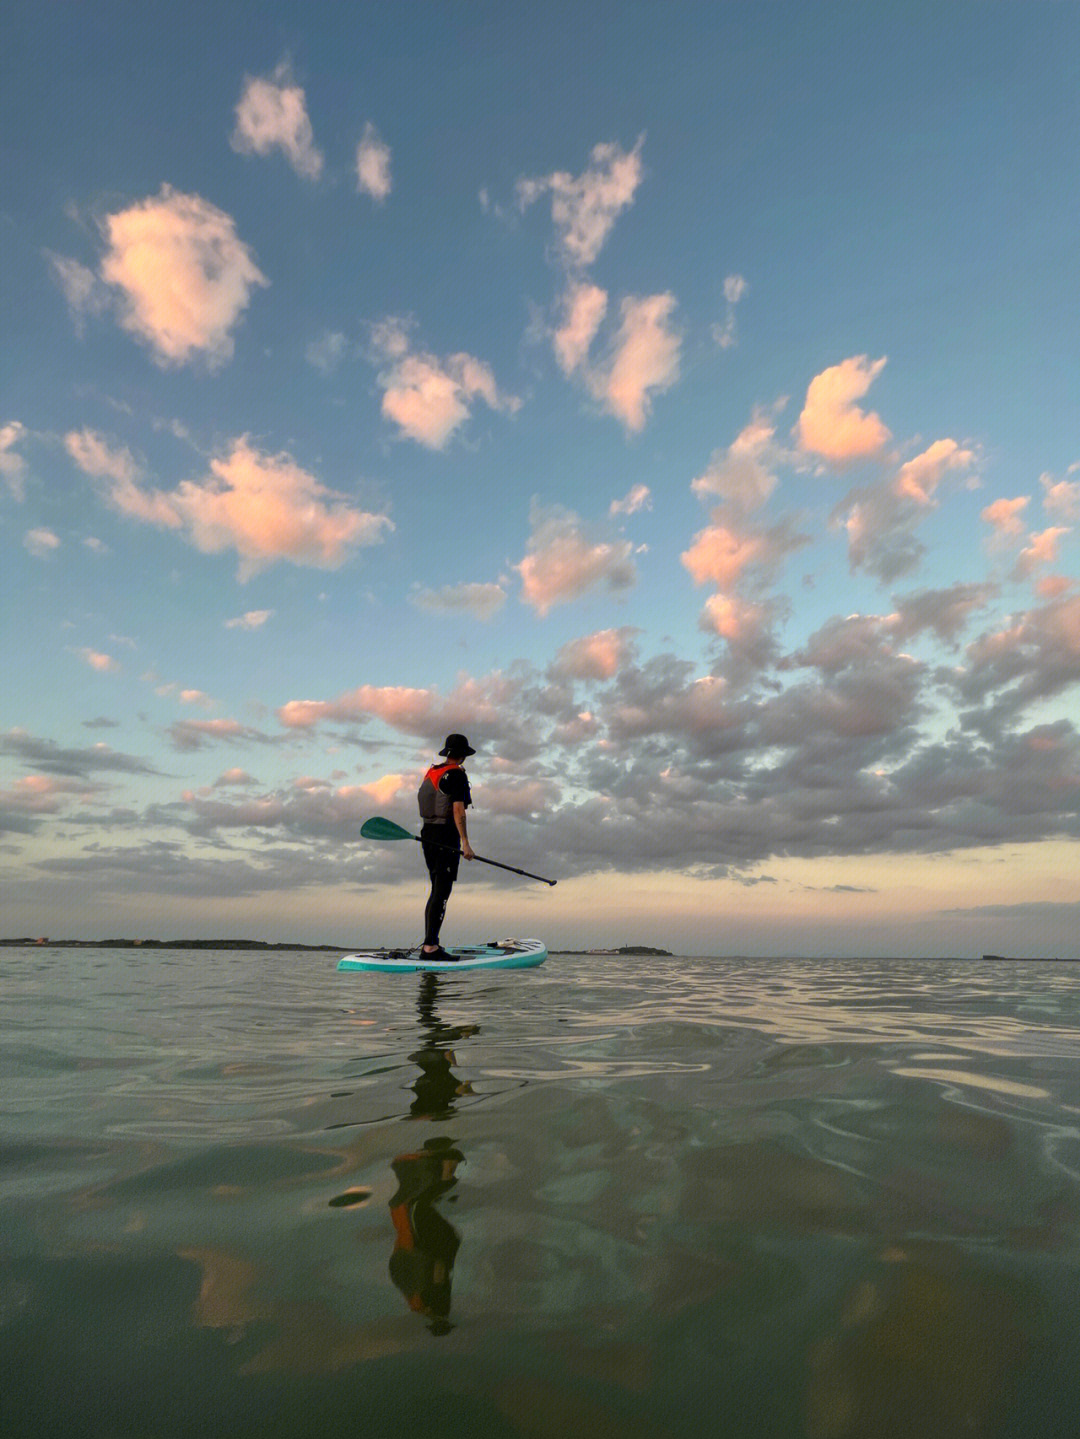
{"points": [[497, 954]]}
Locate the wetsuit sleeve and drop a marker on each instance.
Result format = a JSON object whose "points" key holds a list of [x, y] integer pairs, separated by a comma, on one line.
{"points": [[455, 785]]}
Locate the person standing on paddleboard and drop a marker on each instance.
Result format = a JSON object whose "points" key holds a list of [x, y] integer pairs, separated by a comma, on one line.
{"points": [[443, 798]]}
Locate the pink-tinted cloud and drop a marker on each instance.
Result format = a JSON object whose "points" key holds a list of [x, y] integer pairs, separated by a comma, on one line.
{"points": [[1034, 657], [272, 115], [1053, 587], [598, 656], [268, 508], [1041, 549], [881, 518], [234, 779], [720, 554], [1004, 515], [183, 274], [644, 360], [373, 165], [919, 478], [103, 663], [381, 791], [736, 620], [41, 542], [12, 464], [831, 424], [585, 207], [115, 464], [1061, 497], [474, 707], [397, 705], [564, 561], [583, 310], [429, 398], [744, 475], [44, 794]]}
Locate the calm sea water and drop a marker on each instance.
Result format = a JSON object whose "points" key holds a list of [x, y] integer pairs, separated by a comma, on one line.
{"points": [[244, 1195]]}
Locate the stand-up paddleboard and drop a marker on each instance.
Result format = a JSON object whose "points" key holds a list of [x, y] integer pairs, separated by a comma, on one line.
{"points": [[496, 954]]}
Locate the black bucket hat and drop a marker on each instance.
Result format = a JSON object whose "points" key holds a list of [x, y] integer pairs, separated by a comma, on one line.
{"points": [[456, 747]]}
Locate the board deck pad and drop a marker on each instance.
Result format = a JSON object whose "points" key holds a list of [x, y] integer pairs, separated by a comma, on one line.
{"points": [[495, 954]]}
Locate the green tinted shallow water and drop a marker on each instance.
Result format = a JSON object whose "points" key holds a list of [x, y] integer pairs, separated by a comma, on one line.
{"points": [[245, 1195]]}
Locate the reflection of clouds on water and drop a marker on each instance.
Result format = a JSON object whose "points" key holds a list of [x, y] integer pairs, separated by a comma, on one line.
{"points": [[925, 1346], [295, 1336]]}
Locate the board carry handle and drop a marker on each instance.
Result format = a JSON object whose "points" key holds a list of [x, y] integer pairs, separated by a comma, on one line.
{"points": [[379, 828]]}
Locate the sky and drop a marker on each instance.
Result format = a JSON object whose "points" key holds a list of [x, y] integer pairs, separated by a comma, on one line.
{"points": [[680, 401]]}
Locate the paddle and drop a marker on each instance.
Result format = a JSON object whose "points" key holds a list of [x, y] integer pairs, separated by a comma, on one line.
{"points": [[379, 828]]}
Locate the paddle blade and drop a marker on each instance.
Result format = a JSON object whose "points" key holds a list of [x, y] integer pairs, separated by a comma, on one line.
{"points": [[379, 828]]}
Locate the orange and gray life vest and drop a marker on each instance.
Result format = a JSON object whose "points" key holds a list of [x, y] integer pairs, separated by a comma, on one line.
{"points": [[436, 807]]}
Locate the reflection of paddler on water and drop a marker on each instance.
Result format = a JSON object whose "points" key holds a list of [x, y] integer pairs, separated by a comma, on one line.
{"points": [[437, 1086], [425, 1243]]}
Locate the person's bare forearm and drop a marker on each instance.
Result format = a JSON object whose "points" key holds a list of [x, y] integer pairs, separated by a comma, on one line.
{"points": [[459, 820]]}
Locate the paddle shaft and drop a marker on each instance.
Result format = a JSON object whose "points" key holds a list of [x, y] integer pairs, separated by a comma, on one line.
{"points": [[494, 862]]}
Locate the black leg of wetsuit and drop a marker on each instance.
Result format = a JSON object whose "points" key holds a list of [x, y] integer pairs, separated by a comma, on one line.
{"points": [[442, 865]]}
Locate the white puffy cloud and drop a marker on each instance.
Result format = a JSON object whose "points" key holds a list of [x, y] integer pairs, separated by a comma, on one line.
{"points": [[252, 620], [726, 332], [565, 560], [183, 275], [272, 115], [430, 398], [373, 164], [585, 207], [327, 352], [638, 497], [831, 424]]}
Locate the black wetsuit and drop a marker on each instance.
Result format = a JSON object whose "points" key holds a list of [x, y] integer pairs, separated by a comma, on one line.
{"points": [[441, 844]]}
